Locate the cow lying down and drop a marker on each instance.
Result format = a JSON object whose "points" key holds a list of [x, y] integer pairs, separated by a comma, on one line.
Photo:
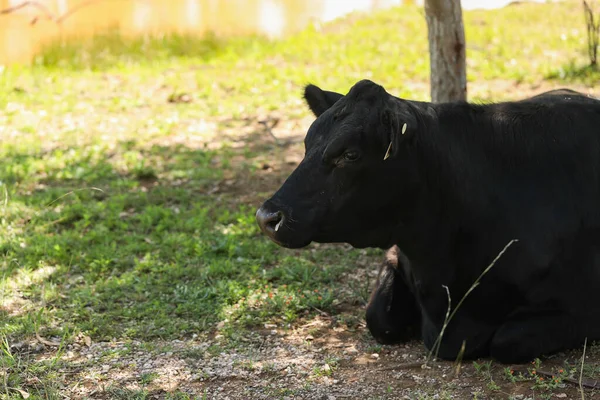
{"points": [[446, 187]]}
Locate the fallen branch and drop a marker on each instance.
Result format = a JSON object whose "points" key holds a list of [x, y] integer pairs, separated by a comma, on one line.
{"points": [[269, 127], [46, 342], [587, 383], [35, 4], [58, 19], [323, 313]]}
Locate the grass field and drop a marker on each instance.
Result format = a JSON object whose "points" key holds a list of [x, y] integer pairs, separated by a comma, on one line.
{"points": [[130, 174]]}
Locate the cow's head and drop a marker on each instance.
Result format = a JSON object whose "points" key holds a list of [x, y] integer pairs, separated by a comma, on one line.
{"points": [[357, 174]]}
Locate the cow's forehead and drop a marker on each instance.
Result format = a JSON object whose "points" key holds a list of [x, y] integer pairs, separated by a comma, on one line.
{"points": [[367, 89], [348, 108], [318, 130], [356, 107], [360, 104], [346, 117]]}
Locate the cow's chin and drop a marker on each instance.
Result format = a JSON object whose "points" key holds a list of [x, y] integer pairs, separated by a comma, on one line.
{"points": [[362, 241], [290, 241], [292, 244]]}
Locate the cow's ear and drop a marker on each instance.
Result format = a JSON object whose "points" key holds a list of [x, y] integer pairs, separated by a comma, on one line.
{"points": [[319, 100], [399, 125]]}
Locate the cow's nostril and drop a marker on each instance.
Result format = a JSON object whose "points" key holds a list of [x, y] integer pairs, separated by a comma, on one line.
{"points": [[276, 221], [269, 221]]}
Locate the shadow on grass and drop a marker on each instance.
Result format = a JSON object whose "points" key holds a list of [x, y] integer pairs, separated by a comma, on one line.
{"points": [[156, 241], [573, 73]]}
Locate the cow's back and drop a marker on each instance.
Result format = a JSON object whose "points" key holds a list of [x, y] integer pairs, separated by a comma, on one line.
{"points": [[562, 95], [530, 169]]}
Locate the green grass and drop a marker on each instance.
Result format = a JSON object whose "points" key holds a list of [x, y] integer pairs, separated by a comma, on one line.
{"points": [[124, 215]]}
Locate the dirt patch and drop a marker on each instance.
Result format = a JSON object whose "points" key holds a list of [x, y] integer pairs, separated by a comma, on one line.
{"points": [[313, 359]]}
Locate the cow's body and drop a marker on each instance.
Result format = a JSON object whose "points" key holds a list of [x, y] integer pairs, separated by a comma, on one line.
{"points": [[461, 183]]}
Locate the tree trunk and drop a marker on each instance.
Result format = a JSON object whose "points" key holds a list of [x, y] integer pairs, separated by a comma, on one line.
{"points": [[593, 31], [448, 75]]}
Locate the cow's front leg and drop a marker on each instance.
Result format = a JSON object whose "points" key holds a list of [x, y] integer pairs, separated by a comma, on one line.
{"points": [[392, 313]]}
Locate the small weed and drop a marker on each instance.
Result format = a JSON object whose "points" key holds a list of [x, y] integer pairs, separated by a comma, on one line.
{"points": [[269, 367], [194, 353], [375, 348], [588, 370], [215, 350], [511, 376], [148, 377], [321, 371], [126, 394], [542, 382], [478, 395], [492, 385], [178, 395], [246, 365], [333, 362], [436, 395], [326, 369], [483, 369]]}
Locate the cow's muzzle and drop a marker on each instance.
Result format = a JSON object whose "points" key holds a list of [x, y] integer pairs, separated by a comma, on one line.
{"points": [[277, 224]]}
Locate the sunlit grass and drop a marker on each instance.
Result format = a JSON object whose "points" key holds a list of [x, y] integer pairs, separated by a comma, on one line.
{"points": [[125, 214]]}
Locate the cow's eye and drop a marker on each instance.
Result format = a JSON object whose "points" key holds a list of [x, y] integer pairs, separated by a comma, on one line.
{"points": [[351, 156]]}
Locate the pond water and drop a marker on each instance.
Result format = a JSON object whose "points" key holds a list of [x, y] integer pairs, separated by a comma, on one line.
{"points": [[23, 31]]}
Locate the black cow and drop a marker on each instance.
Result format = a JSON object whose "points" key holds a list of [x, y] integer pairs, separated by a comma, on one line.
{"points": [[450, 185]]}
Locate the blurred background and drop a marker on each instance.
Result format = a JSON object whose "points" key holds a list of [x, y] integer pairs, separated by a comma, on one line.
{"points": [[24, 31]]}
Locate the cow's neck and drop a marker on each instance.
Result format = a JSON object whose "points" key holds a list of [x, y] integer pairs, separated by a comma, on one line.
{"points": [[449, 188]]}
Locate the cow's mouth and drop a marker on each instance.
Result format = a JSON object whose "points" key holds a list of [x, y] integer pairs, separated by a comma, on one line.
{"points": [[275, 224], [286, 238]]}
